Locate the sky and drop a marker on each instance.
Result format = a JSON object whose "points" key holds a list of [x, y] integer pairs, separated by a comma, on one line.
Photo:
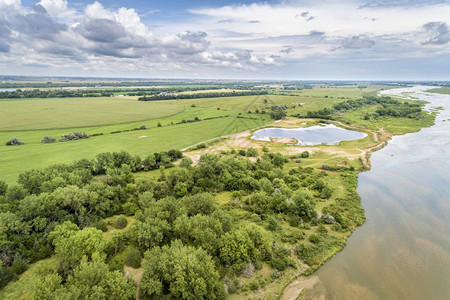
{"points": [[217, 39]]}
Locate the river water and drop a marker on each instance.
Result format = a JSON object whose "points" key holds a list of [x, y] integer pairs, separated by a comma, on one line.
{"points": [[403, 249]]}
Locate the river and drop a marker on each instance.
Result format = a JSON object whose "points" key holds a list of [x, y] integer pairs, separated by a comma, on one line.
{"points": [[403, 249]]}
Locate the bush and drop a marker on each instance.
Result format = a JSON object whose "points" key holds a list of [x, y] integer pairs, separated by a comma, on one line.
{"points": [[19, 265], [3, 188], [133, 258], [265, 149], [14, 142], [101, 225], [121, 222], [143, 127], [275, 274], [248, 270], [254, 286], [252, 152], [48, 140], [305, 154], [73, 136]]}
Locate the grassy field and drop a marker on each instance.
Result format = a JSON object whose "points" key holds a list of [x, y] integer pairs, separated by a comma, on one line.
{"points": [[442, 90], [32, 119]]}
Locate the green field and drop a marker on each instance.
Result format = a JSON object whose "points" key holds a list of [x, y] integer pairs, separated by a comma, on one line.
{"points": [[32, 119], [442, 90]]}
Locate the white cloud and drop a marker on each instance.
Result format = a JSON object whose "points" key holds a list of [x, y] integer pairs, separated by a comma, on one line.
{"points": [[252, 37]]}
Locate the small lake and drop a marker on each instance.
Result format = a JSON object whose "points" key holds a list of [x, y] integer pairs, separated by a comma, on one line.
{"points": [[309, 136]]}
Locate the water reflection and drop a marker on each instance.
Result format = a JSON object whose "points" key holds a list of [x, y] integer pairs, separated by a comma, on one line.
{"points": [[403, 250], [314, 135]]}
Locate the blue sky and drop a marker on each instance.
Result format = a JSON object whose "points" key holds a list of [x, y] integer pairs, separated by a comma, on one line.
{"points": [[290, 39]]}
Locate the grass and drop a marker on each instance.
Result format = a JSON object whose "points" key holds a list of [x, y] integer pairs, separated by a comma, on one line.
{"points": [[34, 114], [442, 90], [22, 288]]}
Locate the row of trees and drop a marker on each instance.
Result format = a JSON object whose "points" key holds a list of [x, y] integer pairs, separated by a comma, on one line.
{"points": [[202, 95]]}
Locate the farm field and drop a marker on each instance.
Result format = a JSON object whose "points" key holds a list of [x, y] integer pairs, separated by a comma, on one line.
{"points": [[32, 119]]}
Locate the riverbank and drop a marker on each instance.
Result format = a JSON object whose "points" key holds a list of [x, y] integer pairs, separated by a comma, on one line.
{"points": [[341, 276]]}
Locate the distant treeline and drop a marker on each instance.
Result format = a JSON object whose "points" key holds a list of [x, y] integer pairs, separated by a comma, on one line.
{"points": [[65, 93], [202, 95], [387, 107]]}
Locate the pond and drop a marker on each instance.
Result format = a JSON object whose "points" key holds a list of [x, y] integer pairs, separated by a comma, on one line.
{"points": [[309, 136]]}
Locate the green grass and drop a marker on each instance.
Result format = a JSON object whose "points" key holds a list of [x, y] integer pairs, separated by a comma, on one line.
{"points": [[442, 90], [33, 114], [23, 287]]}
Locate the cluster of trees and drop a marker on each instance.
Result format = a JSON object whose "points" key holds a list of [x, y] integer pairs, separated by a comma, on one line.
{"points": [[178, 227], [73, 136], [386, 107], [201, 95], [47, 197]]}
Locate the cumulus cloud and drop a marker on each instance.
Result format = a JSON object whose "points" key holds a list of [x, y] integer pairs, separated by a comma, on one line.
{"points": [[438, 32], [357, 42], [244, 37]]}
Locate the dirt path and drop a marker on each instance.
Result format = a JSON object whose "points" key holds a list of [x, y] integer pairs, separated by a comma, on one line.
{"points": [[293, 290]]}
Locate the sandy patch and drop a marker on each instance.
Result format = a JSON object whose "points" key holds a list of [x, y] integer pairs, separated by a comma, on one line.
{"points": [[284, 140], [143, 137], [294, 289]]}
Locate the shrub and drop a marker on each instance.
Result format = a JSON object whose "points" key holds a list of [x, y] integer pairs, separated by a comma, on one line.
{"points": [[143, 127], [159, 124], [48, 140], [252, 152], [248, 270], [133, 258], [121, 222], [14, 142], [193, 105], [254, 286], [275, 274], [305, 154], [265, 149], [73, 136], [101, 225]]}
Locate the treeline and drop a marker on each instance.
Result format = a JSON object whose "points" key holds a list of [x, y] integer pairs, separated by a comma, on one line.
{"points": [[78, 93], [201, 95], [387, 107]]}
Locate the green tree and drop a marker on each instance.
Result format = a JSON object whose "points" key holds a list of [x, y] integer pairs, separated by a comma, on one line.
{"points": [[183, 271]]}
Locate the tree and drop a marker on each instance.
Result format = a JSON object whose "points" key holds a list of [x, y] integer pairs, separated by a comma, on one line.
{"points": [[303, 205], [71, 245], [3, 188], [90, 280], [14, 142], [202, 203], [183, 271]]}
